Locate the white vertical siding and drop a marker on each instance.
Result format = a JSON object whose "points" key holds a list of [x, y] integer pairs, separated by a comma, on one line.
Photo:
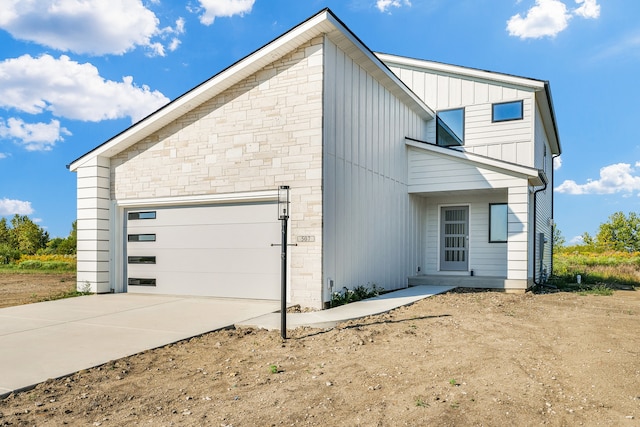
{"points": [[93, 225], [510, 141], [369, 218]]}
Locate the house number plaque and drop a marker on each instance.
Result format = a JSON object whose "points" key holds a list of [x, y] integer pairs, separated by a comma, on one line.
{"points": [[306, 239]]}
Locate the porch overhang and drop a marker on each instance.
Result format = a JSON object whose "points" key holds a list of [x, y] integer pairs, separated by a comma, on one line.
{"points": [[434, 169]]}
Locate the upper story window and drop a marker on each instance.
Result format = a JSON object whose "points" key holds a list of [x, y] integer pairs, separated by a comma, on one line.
{"points": [[506, 111], [450, 127]]}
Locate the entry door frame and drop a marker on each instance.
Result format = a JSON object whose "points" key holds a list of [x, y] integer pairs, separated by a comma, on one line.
{"points": [[444, 264]]}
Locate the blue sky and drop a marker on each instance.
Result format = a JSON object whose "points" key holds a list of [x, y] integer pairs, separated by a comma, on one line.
{"points": [[74, 73]]}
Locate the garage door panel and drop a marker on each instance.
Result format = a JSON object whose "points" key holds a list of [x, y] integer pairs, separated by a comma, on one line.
{"points": [[214, 261], [222, 250], [218, 236], [199, 215], [225, 285]]}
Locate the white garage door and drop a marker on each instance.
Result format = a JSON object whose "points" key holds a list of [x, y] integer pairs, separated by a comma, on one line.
{"points": [[221, 250]]}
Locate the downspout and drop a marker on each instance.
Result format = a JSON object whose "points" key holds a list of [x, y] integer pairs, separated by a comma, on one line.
{"points": [[535, 228], [553, 228]]}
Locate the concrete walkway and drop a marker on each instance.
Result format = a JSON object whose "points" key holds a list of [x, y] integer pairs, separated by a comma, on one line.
{"points": [[57, 338], [330, 318]]}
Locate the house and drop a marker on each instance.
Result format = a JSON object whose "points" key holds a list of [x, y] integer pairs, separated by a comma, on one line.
{"points": [[401, 171]]}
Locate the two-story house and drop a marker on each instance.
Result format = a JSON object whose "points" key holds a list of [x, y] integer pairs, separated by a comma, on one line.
{"points": [[400, 170]]}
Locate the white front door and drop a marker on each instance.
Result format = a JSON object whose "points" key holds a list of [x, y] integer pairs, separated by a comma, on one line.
{"points": [[454, 238]]}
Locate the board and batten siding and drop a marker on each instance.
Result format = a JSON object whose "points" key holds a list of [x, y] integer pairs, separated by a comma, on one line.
{"points": [[511, 141], [370, 231], [543, 253]]}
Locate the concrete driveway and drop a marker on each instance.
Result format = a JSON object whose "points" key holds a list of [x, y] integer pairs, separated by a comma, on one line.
{"points": [[56, 338]]}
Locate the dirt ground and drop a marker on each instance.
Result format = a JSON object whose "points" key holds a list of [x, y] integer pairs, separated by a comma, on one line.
{"points": [[26, 288], [458, 359]]}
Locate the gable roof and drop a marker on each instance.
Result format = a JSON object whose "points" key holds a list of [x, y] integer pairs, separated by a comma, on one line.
{"points": [[541, 88], [323, 23]]}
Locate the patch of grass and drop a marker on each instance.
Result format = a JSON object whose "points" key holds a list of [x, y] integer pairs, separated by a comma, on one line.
{"points": [[40, 264], [420, 402], [71, 293], [601, 290], [614, 269], [273, 369]]}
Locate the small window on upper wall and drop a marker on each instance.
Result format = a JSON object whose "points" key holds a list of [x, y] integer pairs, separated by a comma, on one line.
{"points": [[450, 127], [506, 111]]}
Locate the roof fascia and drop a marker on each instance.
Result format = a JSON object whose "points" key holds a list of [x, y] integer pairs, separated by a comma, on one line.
{"points": [[457, 70], [512, 169]]}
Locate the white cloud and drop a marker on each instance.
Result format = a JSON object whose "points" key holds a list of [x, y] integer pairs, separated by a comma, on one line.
{"points": [[33, 136], [617, 178], [12, 207], [590, 9], [72, 90], [82, 26], [223, 8], [384, 5], [3, 155], [576, 241], [547, 18], [557, 163], [628, 47]]}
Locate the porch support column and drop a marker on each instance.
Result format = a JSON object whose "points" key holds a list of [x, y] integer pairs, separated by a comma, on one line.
{"points": [[517, 231], [94, 195]]}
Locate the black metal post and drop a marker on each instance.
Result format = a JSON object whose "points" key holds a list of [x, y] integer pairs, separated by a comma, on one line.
{"points": [[283, 275]]}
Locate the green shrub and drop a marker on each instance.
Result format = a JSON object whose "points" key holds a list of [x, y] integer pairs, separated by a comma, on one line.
{"points": [[358, 293], [32, 264], [8, 254]]}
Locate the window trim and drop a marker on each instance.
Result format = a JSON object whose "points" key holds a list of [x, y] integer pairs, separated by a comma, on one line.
{"points": [[491, 237], [441, 123], [493, 111]]}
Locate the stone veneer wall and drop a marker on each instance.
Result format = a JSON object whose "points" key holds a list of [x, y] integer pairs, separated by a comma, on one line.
{"points": [[261, 133]]}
